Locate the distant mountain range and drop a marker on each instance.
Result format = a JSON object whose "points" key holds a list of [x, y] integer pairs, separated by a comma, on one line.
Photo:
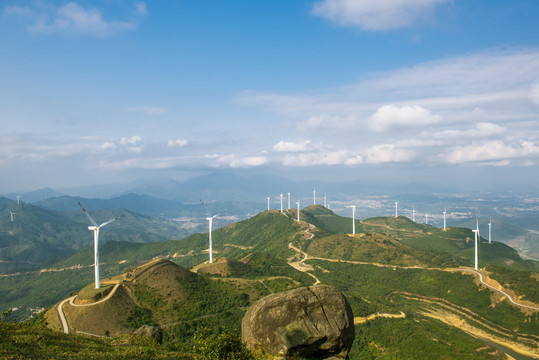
{"points": [[37, 235]]}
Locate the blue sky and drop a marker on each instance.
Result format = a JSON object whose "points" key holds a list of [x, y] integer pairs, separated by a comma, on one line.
{"points": [[93, 92]]}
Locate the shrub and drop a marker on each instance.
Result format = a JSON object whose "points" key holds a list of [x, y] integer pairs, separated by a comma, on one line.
{"points": [[224, 346]]}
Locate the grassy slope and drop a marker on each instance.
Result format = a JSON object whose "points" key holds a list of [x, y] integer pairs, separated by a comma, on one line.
{"points": [[20, 341], [378, 248]]}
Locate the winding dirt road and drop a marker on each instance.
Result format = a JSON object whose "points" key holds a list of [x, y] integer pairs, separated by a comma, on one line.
{"points": [[71, 300]]}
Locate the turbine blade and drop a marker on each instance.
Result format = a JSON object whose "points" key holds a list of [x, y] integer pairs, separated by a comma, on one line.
{"points": [[86, 212], [108, 222]]}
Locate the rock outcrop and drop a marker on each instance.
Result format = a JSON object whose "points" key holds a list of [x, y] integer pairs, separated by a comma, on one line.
{"points": [[153, 332], [314, 322]]}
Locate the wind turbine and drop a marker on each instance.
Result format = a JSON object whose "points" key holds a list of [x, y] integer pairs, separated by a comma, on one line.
{"points": [[314, 196], [476, 232], [95, 228], [281, 203], [445, 210], [325, 201], [11, 215], [353, 219], [396, 208], [490, 231], [297, 203], [268, 202], [18, 198], [210, 222], [288, 201], [413, 213], [426, 218]]}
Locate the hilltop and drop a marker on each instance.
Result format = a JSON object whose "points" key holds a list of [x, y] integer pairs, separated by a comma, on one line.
{"points": [[159, 292]]}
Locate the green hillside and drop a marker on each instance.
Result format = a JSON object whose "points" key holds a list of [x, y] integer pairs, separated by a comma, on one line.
{"points": [[36, 236], [269, 231], [378, 248], [391, 266]]}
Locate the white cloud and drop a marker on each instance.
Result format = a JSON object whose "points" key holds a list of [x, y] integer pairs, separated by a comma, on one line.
{"points": [[316, 159], [141, 8], [495, 151], [354, 160], [234, 161], [286, 146], [387, 153], [376, 15], [177, 143], [482, 129], [149, 110], [107, 146], [345, 121], [72, 19], [135, 139], [389, 116]]}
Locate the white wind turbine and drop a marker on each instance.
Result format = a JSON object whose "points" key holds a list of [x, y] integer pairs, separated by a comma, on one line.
{"points": [[325, 201], [288, 201], [210, 222], [445, 210], [426, 218], [268, 202], [18, 199], [490, 231], [314, 196], [413, 213], [11, 215], [353, 219], [297, 203], [281, 203], [396, 208], [477, 236], [95, 228]]}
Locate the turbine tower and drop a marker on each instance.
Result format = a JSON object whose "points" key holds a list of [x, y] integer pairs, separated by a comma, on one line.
{"points": [[314, 196], [281, 203], [297, 203], [445, 210], [413, 213], [288, 201], [18, 198], [396, 208], [210, 221], [325, 201], [426, 218], [476, 232], [353, 219], [11, 215], [95, 228], [268, 201], [490, 231]]}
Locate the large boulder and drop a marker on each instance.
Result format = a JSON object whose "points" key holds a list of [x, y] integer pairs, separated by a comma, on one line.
{"points": [[313, 322]]}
